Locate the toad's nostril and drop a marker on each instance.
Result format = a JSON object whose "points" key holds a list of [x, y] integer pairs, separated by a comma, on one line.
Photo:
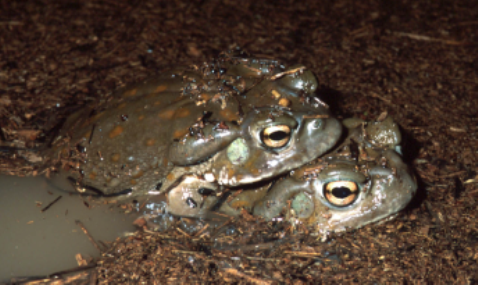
{"points": [[191, 203]]}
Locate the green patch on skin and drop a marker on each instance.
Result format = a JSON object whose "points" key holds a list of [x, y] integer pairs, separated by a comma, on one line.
{"points": [[302, 205], [238, 151]]}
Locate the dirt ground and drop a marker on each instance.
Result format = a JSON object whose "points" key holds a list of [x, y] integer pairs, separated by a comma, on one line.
{"points": [[418, 60]]}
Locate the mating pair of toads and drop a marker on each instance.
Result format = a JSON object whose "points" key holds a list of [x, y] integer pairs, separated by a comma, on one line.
{"points": [[238, 133]]}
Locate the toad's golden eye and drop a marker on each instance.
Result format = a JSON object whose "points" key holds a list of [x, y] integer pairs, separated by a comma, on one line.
{"points": [[341, 193], [276, 136]]}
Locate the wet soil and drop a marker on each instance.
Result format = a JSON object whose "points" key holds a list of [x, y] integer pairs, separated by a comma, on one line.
{"points": [[417, 60]]}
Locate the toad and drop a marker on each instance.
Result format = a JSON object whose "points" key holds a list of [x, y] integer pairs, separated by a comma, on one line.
{"points": [[363, 180], [233, 121]]}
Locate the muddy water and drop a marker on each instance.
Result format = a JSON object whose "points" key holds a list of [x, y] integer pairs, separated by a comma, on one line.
{"points": [[33, 243]]}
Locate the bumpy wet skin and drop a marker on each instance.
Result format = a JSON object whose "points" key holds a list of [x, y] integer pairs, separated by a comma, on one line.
{"points": [[233, 121], [362, 181]]}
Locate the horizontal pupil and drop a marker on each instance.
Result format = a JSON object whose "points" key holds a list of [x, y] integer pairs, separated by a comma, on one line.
{"points": [[341, 192], [277, 136]]}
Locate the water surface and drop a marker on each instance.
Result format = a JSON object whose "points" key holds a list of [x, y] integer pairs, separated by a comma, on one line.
{"points": [[35, 243]]}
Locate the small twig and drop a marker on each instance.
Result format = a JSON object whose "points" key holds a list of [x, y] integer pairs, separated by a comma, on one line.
{"points": [[223, 215], [315, 116], [73, 270], [77, 277], [103, 244], [249, 247], [51, 204], [183, 232], [82, 272], [234, 195], [375, 95], [224, 224], [80, 224], [473, 180], [248, 278], [287, 72], [302, 253], [429, 39], [186, 251], [91, 134], [263, 258], [201, 230], [449, 175], [453, 174], [258, 71], [457, 130]]}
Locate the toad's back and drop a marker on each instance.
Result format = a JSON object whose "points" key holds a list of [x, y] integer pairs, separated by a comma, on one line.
{"points": [[196, 118]]}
